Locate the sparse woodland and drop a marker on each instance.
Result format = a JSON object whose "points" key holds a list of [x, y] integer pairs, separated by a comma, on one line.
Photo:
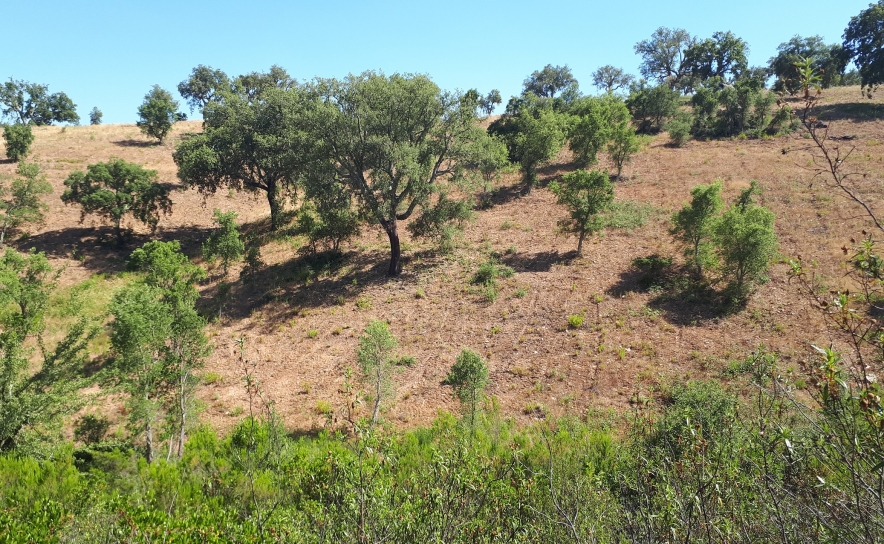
{"points": [[368, 310]]}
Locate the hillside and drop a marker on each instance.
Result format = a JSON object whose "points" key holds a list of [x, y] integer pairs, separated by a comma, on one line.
{"points": [[633, 342]]}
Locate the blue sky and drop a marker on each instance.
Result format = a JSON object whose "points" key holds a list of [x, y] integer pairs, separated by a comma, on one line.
{"points": [[109, 53]]}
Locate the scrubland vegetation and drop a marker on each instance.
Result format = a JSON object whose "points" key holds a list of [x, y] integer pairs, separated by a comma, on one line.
{"points": [[365, 310]]}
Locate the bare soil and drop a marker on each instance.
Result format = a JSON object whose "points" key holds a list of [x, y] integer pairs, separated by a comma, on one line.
{"points": [[633, 342]]}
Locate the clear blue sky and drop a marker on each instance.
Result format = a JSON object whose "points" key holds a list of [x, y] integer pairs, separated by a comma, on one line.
{"points": [[108, 53]]}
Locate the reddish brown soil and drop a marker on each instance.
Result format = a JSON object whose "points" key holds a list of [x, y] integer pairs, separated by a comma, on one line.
{"points": [[635, 346]]}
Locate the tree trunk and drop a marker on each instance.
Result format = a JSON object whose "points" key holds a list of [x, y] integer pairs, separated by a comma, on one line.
{"points": [[3, 234], [118, 230], [182, 406], [395, 249], [580, 243], [377, 397], [148, 439], [530, 179], [275, 208]]}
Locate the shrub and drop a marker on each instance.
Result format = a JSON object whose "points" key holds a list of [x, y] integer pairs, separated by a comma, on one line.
{"points": [[18, 141], [91, 429], [679, 128], [224, 243]]}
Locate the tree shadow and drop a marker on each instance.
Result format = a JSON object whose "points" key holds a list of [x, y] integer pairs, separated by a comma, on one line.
{"points": [[304, 282], [135, 143], [681, 299], [7, 161], [542, 261], [850, 111], [97, 247]]}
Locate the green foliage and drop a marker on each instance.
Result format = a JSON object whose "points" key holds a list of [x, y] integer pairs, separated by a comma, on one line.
{"points": [[468, 377], [728, 110], [95, 116], [33, 400], [253, 145], [21, 202], [663, 55], [595, 120], [623, 145], [549, 81], [651, 106], [157, 113], [30, 103], [585, 194], [91, 429], [489, 271], [534, 134], [863, 44], [395, 142], [722, 56], [443, 221], [373, 355], [158, 344], [329, 218], [652, 269], [575, 321], [114, 188], [828, 60], [747, 242], [224, 243], [695, 224], [611, 79], [204, 85], [18, 138], [679, 128]]}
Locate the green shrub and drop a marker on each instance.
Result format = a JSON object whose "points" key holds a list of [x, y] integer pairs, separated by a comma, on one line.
{"points": [[679, 128], [575, 321], [18, 141]]}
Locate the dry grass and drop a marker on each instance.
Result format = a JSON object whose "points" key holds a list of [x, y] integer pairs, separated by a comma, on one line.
{"points": [[637, 346]]}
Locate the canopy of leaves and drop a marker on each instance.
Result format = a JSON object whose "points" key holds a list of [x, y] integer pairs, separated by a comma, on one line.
{"points": [[393, 140], [549, 81], [28, 103], [663, 55], [610, 79], [157, 113], [374, 357], [723, 55], [829, 61], [18, 141], [695, 224], [593, 124], [651, 106], [747, 242], [21, 202], [32, 402], [257, 145], [204, 85], [864, 43], [114, 188], [95, 116]]}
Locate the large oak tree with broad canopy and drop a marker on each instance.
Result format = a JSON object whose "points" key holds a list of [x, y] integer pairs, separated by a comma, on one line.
{"points": [[396, 141]]}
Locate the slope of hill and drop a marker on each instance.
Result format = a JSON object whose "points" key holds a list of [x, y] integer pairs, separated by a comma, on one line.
{"points": [[301, 318]]}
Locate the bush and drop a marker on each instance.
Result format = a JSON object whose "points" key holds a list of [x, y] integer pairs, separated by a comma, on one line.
{"points": [[679, 128], [18, 141], [652, 106], [575, 321]]}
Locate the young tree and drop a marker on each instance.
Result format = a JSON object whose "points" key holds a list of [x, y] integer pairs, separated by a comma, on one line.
{"points": [[623, 145], [611, 79], [393, 141], [663, 55], [33, 397], [157, 113], [204, 85], [696, 223], [490, 101], [746, 239], [468, 377], [18, 141], [585, 194], [651, 106], [328, 217], [534, 134], [374, 356], [114, 188], [549, 81], [253, 145], [28, 103], [864, 44], [593, 122], [22, 202], [224, 243], [169, 286], [95, 116]]}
